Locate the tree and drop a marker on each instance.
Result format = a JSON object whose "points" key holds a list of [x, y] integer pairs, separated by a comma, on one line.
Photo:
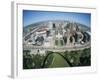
{"points": [[27, 60], [85, 59]]}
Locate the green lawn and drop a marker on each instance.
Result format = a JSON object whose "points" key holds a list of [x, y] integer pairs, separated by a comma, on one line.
{"points": [[58, 61]]}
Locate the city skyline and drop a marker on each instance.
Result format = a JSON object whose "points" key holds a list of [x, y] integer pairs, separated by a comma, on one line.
{"points": [[32, 16]]}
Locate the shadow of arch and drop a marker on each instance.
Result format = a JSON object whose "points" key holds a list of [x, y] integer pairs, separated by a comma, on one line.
{"points": [[43, 64]]}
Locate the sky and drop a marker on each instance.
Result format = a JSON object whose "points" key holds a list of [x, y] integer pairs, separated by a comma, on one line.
{"points": [[33, 16]]}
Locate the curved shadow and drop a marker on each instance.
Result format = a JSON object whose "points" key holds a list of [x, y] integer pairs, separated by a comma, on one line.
{"points": [[43, 65]]}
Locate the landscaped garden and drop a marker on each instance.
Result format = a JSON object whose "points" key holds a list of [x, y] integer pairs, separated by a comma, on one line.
{"points": [[57, 59]]}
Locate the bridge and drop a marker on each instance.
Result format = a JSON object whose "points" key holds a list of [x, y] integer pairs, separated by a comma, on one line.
{"points": [[61, 33]]}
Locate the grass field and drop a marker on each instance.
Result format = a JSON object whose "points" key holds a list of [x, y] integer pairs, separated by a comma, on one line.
{"points": [[58, 61]]}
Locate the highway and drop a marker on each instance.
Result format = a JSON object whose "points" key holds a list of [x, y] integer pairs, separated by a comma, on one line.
{"points": [[55, 49], [69, 46]]}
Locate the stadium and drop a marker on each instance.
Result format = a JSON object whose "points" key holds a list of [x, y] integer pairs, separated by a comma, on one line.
{"points": [[56, 43]]}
